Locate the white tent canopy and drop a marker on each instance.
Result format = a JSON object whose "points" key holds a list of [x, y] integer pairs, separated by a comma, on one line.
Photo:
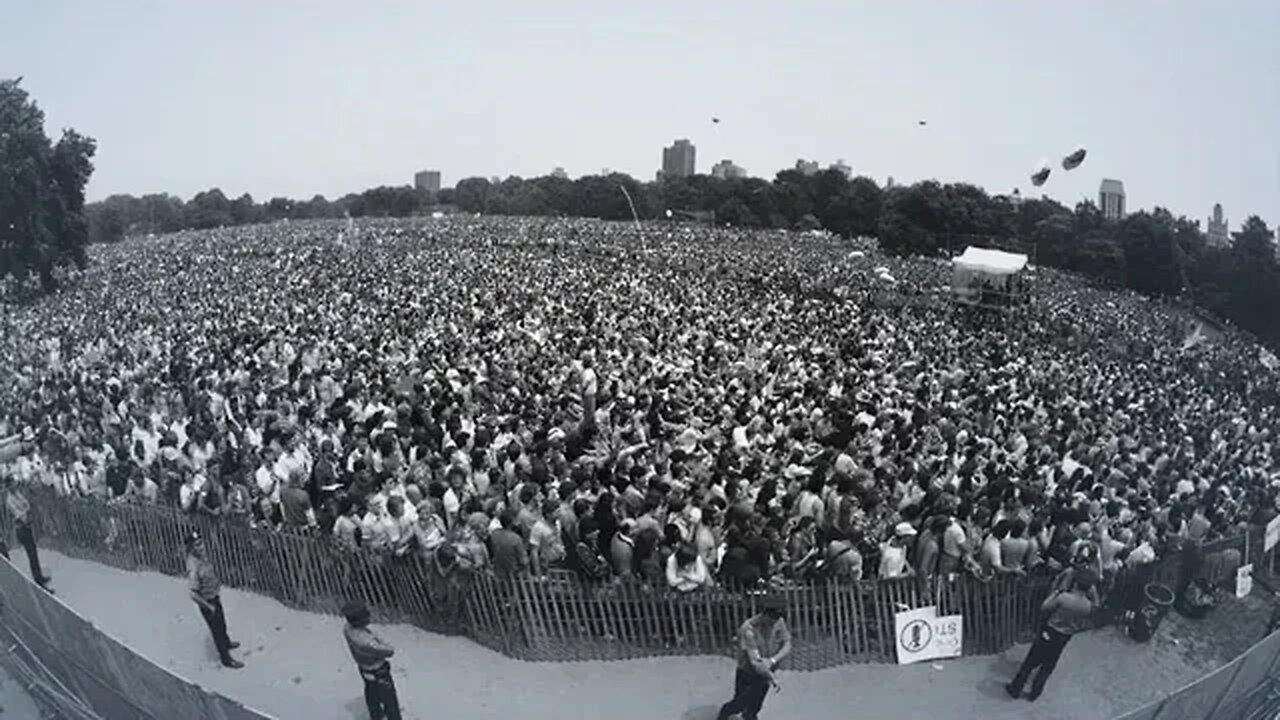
{"points": [[994, 262]]}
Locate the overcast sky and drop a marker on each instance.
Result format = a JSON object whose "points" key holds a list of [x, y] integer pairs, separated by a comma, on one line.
{"points": [[1180, 100]]}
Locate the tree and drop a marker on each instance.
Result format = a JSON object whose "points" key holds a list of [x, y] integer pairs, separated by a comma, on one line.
{"points": [[735, 212], [244, 211], [1254, 280], [317, 207], [160, 213], [107, 223], [41, 191], [899, 232], [472, 194], [209, 209], [807, 223], [1255, 241], [1155, 262]]}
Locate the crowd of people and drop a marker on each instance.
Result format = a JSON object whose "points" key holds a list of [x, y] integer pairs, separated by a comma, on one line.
{"points": [[679, 404]]}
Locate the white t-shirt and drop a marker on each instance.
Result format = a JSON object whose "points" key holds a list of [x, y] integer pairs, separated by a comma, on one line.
{"points": [[266, 482], [893, 561]]}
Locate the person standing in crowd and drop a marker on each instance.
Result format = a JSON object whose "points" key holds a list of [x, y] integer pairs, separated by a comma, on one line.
{"points": [[764, 641], [1067, 612], [510, 557], [20, 511], [372, 655], [205, 588], [893, 553]]}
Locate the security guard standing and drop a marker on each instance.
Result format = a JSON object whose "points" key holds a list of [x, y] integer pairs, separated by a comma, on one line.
{"points": [[764, 641], [372, 655], [1066, 612], [204, 590], [20, 511]]}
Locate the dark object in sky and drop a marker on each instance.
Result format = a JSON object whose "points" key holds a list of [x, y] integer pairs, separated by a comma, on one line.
{"points": [[715, 120], [1039, 177], [1072, 161], [922, 122]]}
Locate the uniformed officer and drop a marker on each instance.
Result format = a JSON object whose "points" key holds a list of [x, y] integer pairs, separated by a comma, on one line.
{"points": [[764, 641], [205, 587], [372, 655], [1066, 612]]}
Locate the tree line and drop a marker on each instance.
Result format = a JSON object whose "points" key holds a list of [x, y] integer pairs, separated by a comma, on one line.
{"points": [[47, 223], [1153, 252]]}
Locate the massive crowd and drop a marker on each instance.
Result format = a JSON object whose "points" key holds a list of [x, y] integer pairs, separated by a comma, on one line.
{"points": [[682, 404]]}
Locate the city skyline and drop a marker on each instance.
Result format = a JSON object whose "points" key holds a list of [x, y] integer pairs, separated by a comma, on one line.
{"points": [[343, 98]]}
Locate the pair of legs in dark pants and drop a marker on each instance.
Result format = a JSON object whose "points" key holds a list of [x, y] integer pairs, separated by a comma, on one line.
{"points": [[1042, 658], [28, 541], [380, 694], [749, 690], [216, 619]]}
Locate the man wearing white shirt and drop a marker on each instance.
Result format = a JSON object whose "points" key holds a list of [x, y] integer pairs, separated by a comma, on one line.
{"points": [[264, 477], [150, 440], [373, 528], [399, 528], [590, 385], [189, 493]]}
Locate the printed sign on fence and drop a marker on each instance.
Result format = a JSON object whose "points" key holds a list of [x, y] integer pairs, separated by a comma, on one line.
{"points": [[1273, 534], [924, 635], [1244, 580]]}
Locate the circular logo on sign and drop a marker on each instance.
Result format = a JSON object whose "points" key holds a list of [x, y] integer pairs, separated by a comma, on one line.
{"points": [[916, 635]]}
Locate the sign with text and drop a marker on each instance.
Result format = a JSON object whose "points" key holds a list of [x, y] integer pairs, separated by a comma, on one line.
{"points": [[924, 635], [1244, 580]]}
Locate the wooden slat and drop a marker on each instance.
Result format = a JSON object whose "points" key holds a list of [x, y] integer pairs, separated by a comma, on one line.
{"points": [[559, 618]]}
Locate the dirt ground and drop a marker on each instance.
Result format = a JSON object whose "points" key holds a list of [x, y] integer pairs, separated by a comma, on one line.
{"points": [[298, 666]]}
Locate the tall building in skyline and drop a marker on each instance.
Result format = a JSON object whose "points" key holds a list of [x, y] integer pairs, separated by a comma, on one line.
{"points": [[679, 160], [727, 170], [428, 180], [840, 167], [1111, 199], [1217, 234], [807, 167]]}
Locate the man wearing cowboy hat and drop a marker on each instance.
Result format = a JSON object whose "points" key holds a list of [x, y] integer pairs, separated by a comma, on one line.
{"points": [[764, 641], [205, 586]]}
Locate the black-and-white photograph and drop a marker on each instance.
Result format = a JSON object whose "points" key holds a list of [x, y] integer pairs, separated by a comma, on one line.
{"points": [[420, 360]]}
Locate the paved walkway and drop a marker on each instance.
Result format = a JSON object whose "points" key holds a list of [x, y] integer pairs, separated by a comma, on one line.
{"points": [[297, 666]]}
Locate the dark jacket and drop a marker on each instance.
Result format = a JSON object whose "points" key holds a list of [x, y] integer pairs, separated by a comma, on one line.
{"points": [[510, 557], [590, 565]]}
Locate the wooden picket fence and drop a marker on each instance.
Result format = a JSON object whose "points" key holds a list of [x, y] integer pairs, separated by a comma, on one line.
{"points": [[559, 617]]}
